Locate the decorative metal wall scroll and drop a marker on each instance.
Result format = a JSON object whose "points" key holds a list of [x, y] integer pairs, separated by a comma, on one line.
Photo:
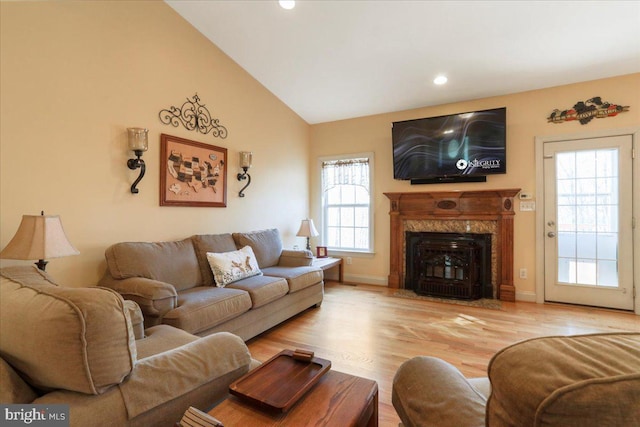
{"points": [[193, 116], [585, 111]]}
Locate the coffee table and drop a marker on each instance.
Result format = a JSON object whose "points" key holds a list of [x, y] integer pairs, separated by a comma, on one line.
{"points": [[337, 399]]}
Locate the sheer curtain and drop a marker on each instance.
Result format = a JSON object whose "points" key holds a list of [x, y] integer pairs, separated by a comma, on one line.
{"points": [[345, 172]]}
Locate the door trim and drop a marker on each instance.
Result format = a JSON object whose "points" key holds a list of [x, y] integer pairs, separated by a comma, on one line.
{"points": [[539, 144]]}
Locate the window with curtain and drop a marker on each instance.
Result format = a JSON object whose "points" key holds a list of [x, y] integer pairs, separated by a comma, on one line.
{"points": [[346, 203]]}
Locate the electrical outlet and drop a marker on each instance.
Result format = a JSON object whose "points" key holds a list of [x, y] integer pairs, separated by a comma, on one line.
{"points": [[523, 273], [349, 260]]}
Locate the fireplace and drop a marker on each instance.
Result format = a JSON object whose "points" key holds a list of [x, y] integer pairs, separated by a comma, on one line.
{"points": [[476, 212], [452, 265]]}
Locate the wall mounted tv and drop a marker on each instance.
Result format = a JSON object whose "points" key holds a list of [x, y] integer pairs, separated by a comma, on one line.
{"points": [[463, 147]]}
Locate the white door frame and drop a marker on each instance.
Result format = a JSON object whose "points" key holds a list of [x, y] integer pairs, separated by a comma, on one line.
{"points": [[539, 143]]}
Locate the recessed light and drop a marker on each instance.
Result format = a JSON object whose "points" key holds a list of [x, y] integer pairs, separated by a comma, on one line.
{"points": [[440, 80], [287, 4]]}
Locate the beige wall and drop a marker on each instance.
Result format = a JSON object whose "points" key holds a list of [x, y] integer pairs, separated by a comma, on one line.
{"points": [[526, 119], [75, 75]]}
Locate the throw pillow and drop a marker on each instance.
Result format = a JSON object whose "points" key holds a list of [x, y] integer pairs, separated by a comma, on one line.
{"points": [[228, 267]]}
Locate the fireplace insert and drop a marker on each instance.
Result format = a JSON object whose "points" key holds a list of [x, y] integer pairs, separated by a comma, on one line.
{"points": [[451, 265]]}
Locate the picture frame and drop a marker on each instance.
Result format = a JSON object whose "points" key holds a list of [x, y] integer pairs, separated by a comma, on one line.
{"points": [[192, 173], [321, 251]]}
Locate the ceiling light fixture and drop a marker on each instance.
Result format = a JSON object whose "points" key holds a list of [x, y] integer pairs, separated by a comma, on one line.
{"points": [[440, 80], [287, 4]]}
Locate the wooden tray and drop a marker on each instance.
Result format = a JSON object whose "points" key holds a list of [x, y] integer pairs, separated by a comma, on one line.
{"points": [[280, 382]]}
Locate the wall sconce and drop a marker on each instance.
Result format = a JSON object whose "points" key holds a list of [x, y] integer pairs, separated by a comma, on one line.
{"points": [[138, 143], [245, 164]]}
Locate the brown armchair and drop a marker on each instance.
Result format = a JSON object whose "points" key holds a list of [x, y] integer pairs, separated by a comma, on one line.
{"points": [[77, 346]]}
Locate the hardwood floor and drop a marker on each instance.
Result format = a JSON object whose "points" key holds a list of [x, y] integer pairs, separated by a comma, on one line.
{"points": [[365, 331]]}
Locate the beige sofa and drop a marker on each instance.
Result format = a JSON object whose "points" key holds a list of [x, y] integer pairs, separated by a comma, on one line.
{"points": [[77, 346], [582, 381], [173, 283]]}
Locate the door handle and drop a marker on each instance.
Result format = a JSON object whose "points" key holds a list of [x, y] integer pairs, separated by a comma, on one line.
{"points": [[551, 234]]}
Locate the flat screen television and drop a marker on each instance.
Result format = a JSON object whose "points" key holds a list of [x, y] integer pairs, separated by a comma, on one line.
{"points": [[454, 148]]}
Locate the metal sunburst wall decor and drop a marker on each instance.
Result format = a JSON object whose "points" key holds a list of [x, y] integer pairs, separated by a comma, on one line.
{"points": [[193, 116]]}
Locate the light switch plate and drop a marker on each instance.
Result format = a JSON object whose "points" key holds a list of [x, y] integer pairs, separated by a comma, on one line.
{"points": [[527, 206]]}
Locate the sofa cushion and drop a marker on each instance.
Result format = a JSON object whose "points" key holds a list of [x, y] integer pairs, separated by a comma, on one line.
{"points": [[170, 262], [266, 245], [87, 335], [13, 389], [262, 289], [161, 338], [228, 267], [584, 380], [204, 307], [204, 243], [297, 277]]}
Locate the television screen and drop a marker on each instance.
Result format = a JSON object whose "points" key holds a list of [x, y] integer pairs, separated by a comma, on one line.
{"points": [[458, 145]]}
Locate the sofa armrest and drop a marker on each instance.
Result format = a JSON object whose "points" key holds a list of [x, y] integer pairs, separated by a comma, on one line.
{"points": [[299, 258], [431, 392], [155, 298], [194, 374], [177, 372], [134, 312]]}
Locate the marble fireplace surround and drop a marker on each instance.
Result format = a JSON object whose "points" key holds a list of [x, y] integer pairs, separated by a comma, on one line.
{"points": [[482, 212]]}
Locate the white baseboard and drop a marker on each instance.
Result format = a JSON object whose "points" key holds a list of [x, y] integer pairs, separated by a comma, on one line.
{"points": [[366, 280], [526, 296]]}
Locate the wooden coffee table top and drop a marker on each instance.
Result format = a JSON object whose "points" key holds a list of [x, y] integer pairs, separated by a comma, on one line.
{"points": [[338, 399]]}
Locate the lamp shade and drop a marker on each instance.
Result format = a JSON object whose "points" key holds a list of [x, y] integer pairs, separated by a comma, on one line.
{"points": [[307, 229], [39, 237]]}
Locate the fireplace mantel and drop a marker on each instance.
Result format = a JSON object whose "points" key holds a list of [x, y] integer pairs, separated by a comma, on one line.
{"points": [[488, 205]]}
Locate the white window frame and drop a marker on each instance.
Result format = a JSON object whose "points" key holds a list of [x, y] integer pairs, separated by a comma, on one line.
{"points": [[323, 206]]}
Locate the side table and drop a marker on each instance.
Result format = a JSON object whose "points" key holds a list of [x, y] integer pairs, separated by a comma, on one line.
{"points": [[330, 262]]}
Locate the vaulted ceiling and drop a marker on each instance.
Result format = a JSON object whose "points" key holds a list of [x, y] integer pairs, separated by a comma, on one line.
{"points": [[333, 60]]}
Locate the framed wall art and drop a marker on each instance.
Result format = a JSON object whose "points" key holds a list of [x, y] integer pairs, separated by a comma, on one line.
{"points": [[192, 173]]}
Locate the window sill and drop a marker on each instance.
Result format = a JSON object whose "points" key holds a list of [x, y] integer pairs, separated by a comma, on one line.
{"points": [[355, 254]]}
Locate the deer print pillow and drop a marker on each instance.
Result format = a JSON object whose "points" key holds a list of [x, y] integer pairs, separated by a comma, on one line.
{"points": [[228, 267]]}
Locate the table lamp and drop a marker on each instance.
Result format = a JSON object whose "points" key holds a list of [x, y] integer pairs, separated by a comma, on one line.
{"points": [[39, 237], [307, 229]]}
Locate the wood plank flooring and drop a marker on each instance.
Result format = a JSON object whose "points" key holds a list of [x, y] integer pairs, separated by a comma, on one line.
{"points": [[365, 331]]}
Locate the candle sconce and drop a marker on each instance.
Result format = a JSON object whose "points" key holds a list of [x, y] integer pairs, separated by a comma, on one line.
{"points": [[245, 164], [138, 143]]}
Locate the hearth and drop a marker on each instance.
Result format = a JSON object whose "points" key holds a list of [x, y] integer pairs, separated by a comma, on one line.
{"points": [[452, 265]]}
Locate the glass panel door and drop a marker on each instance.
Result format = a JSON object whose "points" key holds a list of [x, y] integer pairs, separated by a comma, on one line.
{"points": [[588, 247]]}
